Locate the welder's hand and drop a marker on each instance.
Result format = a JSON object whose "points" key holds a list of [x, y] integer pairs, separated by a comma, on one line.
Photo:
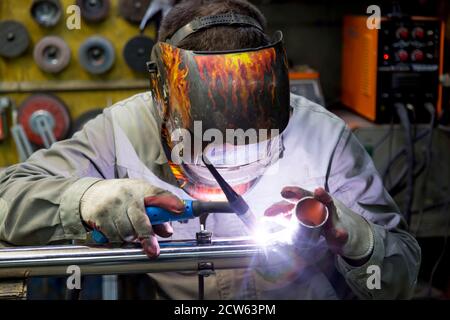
{"points": [[117, 209], [347, 233]]}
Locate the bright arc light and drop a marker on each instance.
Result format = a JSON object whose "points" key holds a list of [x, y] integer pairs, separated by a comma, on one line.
{"points": [[271, 230]]}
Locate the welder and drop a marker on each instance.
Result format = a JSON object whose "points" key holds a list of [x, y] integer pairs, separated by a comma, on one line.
{"points": [[213, 69]]}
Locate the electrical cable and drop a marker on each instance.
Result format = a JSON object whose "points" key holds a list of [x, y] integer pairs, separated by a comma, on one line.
{"points": [[404, 120], [380, 142], [393, 187], [441, 255], [428, 159]]}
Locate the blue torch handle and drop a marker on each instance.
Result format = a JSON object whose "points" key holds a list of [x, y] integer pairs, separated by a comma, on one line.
{"points": [[157, 216]]}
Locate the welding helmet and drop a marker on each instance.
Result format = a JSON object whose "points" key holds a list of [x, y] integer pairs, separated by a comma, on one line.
{"points": [[202, 98]]}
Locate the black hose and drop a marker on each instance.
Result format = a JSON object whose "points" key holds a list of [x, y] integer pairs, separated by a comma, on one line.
{"points": [[410, 156]]}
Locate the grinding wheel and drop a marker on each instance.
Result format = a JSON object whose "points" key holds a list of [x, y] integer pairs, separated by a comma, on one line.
{"points": [[14, 39], [48, 104], [137, 52], [79, 122], [46, 13], [96, 55], [94, 10], [52, 54], [133, 10]]}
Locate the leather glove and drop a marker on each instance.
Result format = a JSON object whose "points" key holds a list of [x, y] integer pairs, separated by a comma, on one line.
{"points": [[347, 233], [117, 209]]}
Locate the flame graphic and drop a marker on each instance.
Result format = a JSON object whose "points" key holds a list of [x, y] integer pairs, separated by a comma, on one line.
{"points": [[237, 78], [157, 95], [178, 85]]}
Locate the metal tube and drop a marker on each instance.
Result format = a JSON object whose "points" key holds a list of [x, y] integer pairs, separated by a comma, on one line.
{"points": [[311, 216], [175, 256]]}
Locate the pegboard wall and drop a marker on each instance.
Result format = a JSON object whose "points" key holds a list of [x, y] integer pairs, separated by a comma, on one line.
{"points": [[80, 90]]}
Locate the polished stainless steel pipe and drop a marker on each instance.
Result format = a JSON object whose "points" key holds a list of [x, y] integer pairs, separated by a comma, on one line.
{"points": [[310, 215], [22, 262]]}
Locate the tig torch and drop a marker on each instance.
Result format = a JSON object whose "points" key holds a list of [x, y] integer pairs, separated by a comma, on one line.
{"points": [[192, 209], [237, 203]]}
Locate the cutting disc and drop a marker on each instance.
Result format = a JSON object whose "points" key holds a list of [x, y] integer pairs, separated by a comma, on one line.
{"points": [[137, 52], [96, 55], [133, 10], [46, 13], [48, 104], [94, 10], [14, 39], [52, 54]]}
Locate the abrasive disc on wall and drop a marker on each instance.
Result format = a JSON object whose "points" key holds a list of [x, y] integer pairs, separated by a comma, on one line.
{"points": [[96, 55], [52, 54], [46, 13], [14, 39], [44, 105], [137, 52], [133, 10], [94, 10]]}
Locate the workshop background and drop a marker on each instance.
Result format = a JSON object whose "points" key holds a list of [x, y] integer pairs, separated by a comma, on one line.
{"points": [[53, 79]]}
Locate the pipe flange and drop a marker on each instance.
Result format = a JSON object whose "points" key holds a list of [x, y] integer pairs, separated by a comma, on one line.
{"points": [[14, 39], [137, 52], [52, 54], [96, 55], [46, 13], [94, 10]]}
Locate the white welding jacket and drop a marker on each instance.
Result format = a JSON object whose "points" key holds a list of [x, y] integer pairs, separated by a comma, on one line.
{"points": [[41, 202]]}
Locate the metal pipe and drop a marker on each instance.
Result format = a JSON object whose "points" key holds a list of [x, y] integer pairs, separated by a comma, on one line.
{"points": [[175, 256], [311, 216]]}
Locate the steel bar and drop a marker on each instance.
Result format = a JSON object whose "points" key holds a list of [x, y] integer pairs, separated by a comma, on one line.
{"points": [[175, 256]]}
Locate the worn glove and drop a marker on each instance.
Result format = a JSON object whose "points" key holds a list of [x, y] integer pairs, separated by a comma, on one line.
{"points": [[117, 209], [347, 233]]}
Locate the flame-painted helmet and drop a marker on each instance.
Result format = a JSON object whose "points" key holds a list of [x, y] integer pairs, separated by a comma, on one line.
{"points": [[239, 89]]}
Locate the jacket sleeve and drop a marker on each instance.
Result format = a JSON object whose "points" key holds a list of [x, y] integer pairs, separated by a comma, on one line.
{"points": [[354, 181], [39, 199]]}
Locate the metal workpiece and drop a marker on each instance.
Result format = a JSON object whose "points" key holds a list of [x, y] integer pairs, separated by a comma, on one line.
{"points": [[20, 262], [310, 215]]}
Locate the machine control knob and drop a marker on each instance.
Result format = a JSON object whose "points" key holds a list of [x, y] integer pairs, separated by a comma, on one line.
{"points": [[418, 33], [402, 33], [402, 55], [417, 55]]}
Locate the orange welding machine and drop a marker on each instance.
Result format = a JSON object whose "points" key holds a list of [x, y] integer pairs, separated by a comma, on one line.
{"points": [[398, 63]]}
